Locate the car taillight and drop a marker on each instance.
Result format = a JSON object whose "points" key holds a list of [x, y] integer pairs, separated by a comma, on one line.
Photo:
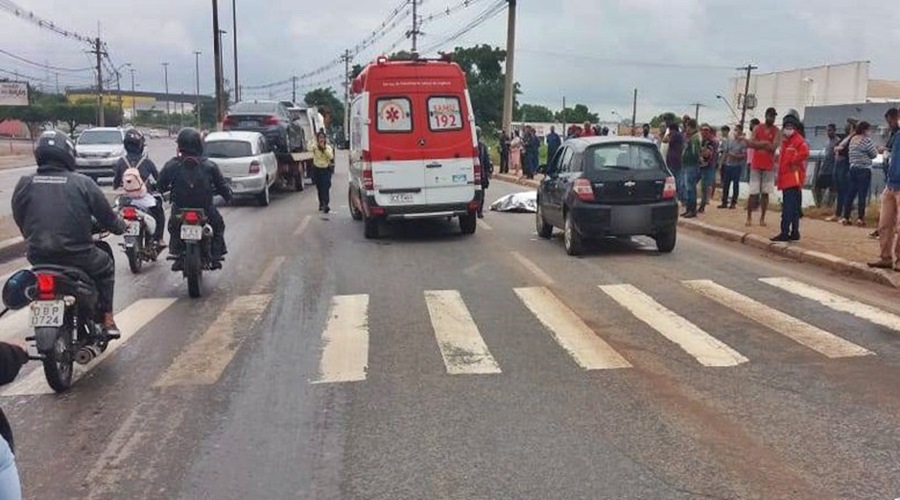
{"points": [[583, 189], [254, 167], [272, 120], [192, 217], [368, 179], [46, 284], [477, 168], [129, 213], [669, 189], [229, 122]]}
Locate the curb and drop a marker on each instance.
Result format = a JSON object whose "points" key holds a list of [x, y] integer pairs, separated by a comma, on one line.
{"points": [[828, 261], [512, 179], [12, 249]]}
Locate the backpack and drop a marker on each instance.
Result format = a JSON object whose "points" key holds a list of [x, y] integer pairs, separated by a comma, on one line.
{"points": [[132, 181]]}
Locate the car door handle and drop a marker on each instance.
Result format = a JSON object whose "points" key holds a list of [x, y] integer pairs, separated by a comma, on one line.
{"points": [[433, 165]]}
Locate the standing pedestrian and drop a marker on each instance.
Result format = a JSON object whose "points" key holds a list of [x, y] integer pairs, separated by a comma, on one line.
{"points": [[515, 154], [842, 171], [604, 131], [708, 161], [861, 153], [735, 152], [764, 142], [588, 130], [823, 190], [645, 133], [553, 143], [532, 152], [323, 169], [892, 117], [487, 170], [690, 168], [504, 152], [889, 219], [675, 142], [791, 177]]}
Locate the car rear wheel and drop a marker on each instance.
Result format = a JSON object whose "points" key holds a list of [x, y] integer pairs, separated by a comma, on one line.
{"points": [[544, 230], [572, 240], [468, 223], [665, 240], [355, 213], [263, 198]]}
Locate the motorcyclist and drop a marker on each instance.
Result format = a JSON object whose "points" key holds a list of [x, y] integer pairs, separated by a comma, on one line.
{"points": [[135, 158], [193, 181], [56, 208]]}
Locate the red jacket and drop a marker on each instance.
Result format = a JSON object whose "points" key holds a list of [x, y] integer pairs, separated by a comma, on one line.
{"points": [[792, 162]]}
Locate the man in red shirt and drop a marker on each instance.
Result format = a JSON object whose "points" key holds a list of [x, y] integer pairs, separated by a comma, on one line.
{"points": [[791, 177], [764, 141]]}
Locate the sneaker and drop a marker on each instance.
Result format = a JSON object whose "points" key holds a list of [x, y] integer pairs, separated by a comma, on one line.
{"points": [[722, 206], [882, 264], [690, 215], [702, 209], [732, 206], [831, 218], [845, 222], [178, 265], [875, 234], [860, 223], [795, 237], [780, 238], [481, 216]]}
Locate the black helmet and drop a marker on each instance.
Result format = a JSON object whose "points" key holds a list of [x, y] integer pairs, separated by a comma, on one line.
{"points": [[792, 120], [134, 142], [190, 143], [18, 291], [55, 147]]}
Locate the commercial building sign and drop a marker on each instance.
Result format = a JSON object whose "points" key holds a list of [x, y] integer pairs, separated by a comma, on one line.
{"points": [[13, 94]]}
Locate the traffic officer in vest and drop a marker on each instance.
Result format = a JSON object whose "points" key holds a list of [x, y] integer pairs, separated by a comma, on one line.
{"points": [[135, 158]]}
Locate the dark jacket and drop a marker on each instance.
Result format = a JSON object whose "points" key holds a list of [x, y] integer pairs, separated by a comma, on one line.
{"points": [[487, 168], [146, 167], [553, 144], [53, 210], [193, 182], [12, 357]]}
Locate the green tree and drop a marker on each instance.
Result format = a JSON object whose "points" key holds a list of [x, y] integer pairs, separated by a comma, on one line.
{"points": [[579, 114], [533, 113], [660, 119], [356, 70], [329, 105], [483, 66], [76, 114]]}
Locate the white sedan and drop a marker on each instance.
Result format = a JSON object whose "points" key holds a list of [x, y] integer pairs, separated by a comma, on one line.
{"points": [[246, 162]]}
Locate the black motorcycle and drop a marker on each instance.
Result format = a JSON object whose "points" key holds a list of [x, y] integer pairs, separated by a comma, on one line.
{"points": [[196, 234], [139, 244], [67, 325]]}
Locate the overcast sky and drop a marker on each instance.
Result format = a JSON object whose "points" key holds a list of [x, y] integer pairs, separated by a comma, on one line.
{"points": [[675, 52]]}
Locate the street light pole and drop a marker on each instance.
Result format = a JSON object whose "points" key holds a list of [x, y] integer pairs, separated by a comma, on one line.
{"points": [[217, 53], [237, 92], [197, 62], [133, 107], [166, 69], [222, 66]]}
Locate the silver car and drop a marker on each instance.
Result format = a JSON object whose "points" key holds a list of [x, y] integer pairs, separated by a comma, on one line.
{"points": [[98, 150], [246, 161]]}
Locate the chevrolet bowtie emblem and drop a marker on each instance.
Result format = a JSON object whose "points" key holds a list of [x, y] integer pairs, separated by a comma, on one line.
{"points": [[630, 184]]}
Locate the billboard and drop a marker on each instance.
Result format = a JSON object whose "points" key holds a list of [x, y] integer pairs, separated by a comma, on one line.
{"points": [[13, 94]]}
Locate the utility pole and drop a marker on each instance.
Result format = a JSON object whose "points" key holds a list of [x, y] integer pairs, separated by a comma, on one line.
{"points": [[237, 91], [168, 127], [181, 116], [347, 84], [510, 66], [133, 99], [217, 49], [415, 27], [294, 91], [197, 109], [57, 83], [697, 112], [99, 53], [564, 118], [634, 113], [749, 69], [119, 92]]}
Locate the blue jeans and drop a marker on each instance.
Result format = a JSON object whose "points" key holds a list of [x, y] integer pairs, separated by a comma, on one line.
{"points": [[10, 487], [790, 212], [731, 182], [691, 176], [842, 185], [707, 181], [679, 183], [860, 183]]}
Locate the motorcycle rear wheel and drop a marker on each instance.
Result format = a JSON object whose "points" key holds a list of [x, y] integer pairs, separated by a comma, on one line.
{"points": [[193, 270], [58, 362]]}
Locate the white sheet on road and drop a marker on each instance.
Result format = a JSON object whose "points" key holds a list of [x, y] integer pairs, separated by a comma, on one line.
{"points": [[516, 202]]}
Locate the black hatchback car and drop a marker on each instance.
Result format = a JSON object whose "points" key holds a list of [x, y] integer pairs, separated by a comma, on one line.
{"points": [[607, 186]]}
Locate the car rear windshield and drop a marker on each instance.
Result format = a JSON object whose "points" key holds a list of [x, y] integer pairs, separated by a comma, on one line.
{"points": [[265, 108], [99, 137], [228, 149], [622, 156]]}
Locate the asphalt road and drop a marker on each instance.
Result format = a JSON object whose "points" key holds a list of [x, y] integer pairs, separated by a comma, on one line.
{"points": [[431, 365]]}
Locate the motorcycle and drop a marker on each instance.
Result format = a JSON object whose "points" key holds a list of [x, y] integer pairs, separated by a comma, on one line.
{"points": [[196, 234], [139, 244], [67, 326]]}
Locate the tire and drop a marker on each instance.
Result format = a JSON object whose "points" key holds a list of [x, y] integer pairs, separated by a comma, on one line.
{"points": [[373, 229], [264, 198], [192, 270], [544, 230], [665, 240], [468, 223], [571, 239], [135, 263], [298, 179], [58, 362], [355, 213]]}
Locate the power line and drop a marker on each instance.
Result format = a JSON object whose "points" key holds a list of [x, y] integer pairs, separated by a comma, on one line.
{"points": [[42, 23], [485, 16], [44, 66], [449, 11]]}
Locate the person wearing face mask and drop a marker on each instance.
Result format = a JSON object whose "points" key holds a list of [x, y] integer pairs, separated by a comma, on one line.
{"points": [[791, 177], [861, 153]]}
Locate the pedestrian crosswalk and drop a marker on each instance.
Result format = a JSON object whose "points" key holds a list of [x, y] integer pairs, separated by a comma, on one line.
{"points": [[467, 341]]}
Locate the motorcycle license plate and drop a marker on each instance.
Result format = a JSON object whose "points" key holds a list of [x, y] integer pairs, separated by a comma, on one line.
{"points": [[191, 233], [133, 230], [47, 313]]}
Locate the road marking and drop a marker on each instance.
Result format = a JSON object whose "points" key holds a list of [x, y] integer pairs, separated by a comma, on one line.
{"points": [[836, 302], [345, 357], [130, 322], [458, 338], [706, 349], [484, 225], [801, 332], [533, 268], [589, 350], [303, 225], [207, 357], [267, 276]]}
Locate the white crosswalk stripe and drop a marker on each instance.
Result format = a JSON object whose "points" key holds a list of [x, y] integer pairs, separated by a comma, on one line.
{"points": [[706, 349], [836, 302], [801, 332], [345, 356], [589, 350], [458, 338]]}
